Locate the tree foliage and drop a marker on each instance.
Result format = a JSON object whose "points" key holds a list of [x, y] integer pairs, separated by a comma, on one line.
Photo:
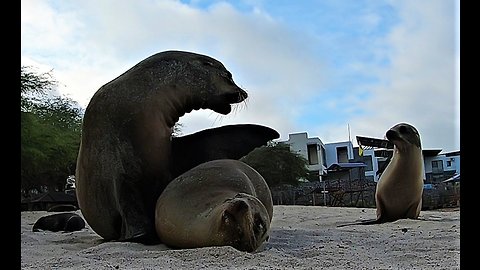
{"points": [[277, 164], [50, 133], [177, 129]]}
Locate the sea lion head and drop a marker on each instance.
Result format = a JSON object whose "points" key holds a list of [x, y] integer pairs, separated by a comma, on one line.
{"points": [[245, 223], [208, 83], [403, 135], [218, 90]]}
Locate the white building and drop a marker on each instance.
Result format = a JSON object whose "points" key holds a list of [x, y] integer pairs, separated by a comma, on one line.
{"points": [[312, 149], [439, 166], [340, 152], [321, 156]]}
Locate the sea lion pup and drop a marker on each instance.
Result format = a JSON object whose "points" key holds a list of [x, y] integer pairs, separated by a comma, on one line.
{"points": [[124, 157], [399, 190], [67, 222], [225, 142], [218, 203]]}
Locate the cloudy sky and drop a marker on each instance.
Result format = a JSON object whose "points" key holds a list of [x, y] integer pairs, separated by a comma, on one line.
{"points": [[318, 66]]}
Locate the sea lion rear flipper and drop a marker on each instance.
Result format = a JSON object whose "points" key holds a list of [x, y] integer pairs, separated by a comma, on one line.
{"points": [[361, 222]]}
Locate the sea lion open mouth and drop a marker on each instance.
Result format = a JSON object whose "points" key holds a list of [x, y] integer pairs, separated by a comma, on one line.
{"points": [[224, 107]]}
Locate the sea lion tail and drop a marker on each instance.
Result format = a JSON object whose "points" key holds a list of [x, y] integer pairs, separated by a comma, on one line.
{"points": [[362, 222], [35, 228]]}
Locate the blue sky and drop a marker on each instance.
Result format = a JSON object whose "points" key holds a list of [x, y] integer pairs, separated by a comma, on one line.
{"points": [[308, 66]]}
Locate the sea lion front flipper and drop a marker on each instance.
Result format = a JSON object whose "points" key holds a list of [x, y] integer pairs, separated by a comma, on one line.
{"points": [[226, 142], [414, 210]]}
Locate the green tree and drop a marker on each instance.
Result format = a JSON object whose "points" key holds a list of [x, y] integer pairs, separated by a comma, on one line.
{"points": [[50, 133], [277, 164], [177, 129]]}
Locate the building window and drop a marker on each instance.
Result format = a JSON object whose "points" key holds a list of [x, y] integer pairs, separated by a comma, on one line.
{"points": [[437, 166], [312, 154], [449, 163], [368, 161], [342, 154]]}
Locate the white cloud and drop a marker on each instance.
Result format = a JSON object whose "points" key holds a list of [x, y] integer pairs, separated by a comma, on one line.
{"points": [[419, 85], [272, 63], [89, 43]]}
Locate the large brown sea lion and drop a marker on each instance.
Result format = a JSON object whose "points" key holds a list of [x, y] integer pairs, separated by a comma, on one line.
{"points": [[218, 203], [125, 152], [400, 187]]}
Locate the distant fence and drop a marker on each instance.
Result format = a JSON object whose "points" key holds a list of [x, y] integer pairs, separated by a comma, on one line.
{"points": [[441, 195], [314, 193]]}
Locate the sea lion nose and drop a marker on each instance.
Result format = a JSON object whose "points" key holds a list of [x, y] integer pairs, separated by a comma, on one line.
{"points": [[243, 94], [391, 134]]}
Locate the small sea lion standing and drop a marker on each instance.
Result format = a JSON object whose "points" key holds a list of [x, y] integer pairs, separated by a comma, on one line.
{"points": [[124, 161], [67, 222], [400, 187], [218, 203]]}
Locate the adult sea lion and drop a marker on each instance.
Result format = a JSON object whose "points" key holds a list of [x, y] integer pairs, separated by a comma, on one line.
{"points": [[400, 187], [218, 203], [67, 222], [124, 157], [226, 142]]}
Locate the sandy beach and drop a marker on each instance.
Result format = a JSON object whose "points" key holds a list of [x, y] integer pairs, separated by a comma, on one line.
{"points": [[302, 237]]}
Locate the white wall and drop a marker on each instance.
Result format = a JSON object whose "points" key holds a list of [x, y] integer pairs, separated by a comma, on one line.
{"points": [[373, 172], [298, 144], [331, 151], [455, 163]]}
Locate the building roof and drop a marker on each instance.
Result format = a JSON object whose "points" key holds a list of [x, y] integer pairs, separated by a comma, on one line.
{"points": [[383, 153], [431, 152], [455, 178], [345, 166], [374, 142], [367, 143], [454, 153], [56, 196]]}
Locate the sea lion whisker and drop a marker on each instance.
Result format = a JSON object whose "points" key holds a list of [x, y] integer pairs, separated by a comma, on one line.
{"points": [[218, 117]]}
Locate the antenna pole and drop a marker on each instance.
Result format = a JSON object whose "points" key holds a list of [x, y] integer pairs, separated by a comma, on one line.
{"points": [[349, 139]]}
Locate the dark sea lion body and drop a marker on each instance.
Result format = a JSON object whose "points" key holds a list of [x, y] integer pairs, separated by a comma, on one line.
{"points": [[226, 142], [124, 158], [218, 203], [66, 222]]}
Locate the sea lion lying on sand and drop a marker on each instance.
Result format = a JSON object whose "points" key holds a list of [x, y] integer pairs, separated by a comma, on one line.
{"points": [[218, 203]]}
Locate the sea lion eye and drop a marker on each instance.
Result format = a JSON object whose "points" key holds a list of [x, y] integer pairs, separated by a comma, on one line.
{"points": [[229, 77], [259, 225], [208, 63]]}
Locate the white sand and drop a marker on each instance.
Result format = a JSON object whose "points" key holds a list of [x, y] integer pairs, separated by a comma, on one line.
{"points": [[301, 238]]}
